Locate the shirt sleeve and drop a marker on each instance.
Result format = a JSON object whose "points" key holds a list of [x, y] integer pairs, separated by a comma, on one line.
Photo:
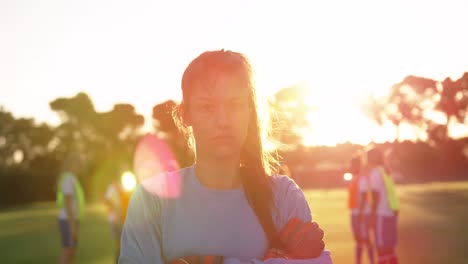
{"points": [[290, 202], [141, 234], [68, 186]]}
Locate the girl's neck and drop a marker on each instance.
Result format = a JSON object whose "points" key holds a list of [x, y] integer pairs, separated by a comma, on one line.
{"points": [[221, 175]]}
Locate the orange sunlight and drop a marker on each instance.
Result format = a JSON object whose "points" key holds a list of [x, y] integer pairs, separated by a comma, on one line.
{"points": [[338, 51], [337, 92], [338, 118], [347, 176]]}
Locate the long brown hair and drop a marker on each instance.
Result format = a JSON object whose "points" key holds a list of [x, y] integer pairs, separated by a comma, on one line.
{"points": [[255, 163]]}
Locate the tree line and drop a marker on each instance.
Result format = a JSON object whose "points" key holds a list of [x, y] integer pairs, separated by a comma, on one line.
{"points": [[31, 153]]}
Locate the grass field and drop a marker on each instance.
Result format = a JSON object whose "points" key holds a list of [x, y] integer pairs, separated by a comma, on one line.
{"points": [[433, 228]]}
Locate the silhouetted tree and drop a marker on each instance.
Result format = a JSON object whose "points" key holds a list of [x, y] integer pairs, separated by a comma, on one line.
{"points": [[99, 137], [408, 100], [453, 100], [22, 145], [289, 111]]}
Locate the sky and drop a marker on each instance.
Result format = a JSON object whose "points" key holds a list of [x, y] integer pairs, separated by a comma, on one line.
{"points": [[136, 51]]}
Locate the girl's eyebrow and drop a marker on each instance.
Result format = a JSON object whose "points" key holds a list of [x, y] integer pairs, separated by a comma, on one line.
{"points": [[210, 99], [238, 98], [203, 99]]}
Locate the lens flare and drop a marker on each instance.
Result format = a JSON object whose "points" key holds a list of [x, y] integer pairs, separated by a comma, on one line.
{"points": [[348, 176], [128, 181], [152, 162]]}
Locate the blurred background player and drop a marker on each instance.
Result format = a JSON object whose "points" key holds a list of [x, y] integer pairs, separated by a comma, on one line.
{"points": [[385, 206], [71, 204], [116, 199], [358, 203]]}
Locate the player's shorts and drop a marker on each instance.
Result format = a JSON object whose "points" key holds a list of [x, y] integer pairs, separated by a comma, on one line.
{"points": [[360, 230], [386, 231], [65, 234]]}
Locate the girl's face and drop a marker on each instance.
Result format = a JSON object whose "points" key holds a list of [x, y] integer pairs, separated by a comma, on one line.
{"points": [[218, 111]]}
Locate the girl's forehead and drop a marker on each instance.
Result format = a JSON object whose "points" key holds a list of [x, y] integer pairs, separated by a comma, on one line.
{"points": [[221, 86]]}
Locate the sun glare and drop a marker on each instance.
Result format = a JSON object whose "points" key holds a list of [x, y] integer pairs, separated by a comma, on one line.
{"points": [[335, 116], [347, 176], [128, 181], [338, 122]]}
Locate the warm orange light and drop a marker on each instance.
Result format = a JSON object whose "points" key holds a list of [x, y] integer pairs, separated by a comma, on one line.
{"points": [[128, 181], [347, 176], [334, 118]]}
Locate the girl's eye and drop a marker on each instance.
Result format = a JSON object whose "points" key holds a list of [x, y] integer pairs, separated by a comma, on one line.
{"points": [[207, 107], [239, 105]]}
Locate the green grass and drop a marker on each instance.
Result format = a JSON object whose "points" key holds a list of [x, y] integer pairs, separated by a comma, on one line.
{"points": [[432, 223], [432, 229], [30, 235]]}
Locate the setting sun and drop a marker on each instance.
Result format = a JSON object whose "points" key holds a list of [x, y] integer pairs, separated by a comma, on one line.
{"points": [[334, 116], [337, 52]]}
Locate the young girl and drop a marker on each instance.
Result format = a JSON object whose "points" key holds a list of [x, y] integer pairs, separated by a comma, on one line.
{"points": [[225, 208], [384, 209], [359, 205]]}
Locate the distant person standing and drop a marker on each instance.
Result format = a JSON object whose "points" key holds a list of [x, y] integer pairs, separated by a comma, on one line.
{"points": [[116, 199], [384, 208], [358, 203], [71, 203]]}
